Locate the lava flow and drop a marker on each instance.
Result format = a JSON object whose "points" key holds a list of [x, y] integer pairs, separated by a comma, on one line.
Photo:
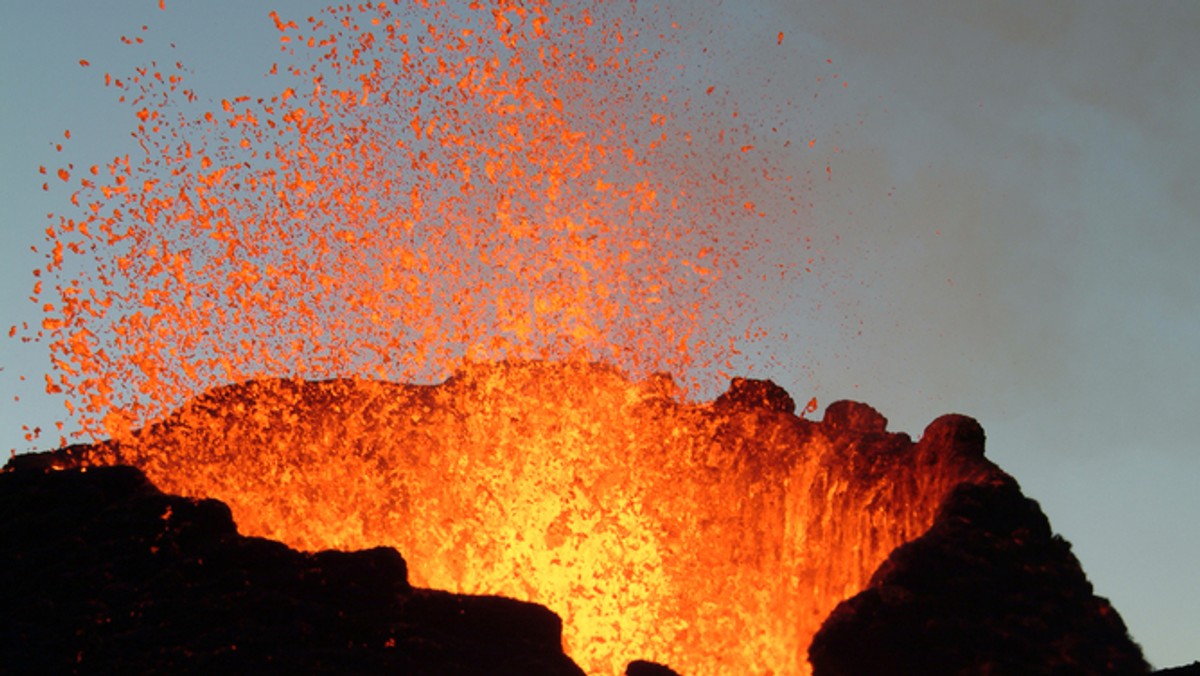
{"points": [[712, 537]]}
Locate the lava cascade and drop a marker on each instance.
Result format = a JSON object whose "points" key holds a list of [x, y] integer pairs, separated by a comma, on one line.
{"points": [[713, 537]]}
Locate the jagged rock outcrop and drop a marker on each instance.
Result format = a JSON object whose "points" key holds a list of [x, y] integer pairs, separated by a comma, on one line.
{"points": [[1192, 669], [645, 668], [989, 589], [748, 393], [101, 572], [714, 538]]}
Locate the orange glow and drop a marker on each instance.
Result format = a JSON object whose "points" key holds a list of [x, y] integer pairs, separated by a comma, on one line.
{"points": [[485, 182], [711, 538]]}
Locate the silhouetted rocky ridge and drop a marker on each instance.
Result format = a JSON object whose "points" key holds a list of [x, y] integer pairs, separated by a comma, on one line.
{"points": [[110, 574], [1192, 669], [103, 573], [988, 589]]}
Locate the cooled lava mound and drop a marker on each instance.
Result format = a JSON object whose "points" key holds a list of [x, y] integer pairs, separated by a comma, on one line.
{"points": [[713, 537], [103, 573]]}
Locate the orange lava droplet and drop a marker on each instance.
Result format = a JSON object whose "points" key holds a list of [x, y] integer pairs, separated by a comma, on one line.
{"points": [[85, 63], [779, 40]]}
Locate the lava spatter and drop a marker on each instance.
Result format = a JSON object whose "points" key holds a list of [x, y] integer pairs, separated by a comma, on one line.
{"points": [[430, 182]]}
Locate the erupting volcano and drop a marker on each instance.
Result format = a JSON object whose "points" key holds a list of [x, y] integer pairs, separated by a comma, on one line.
{"points": [[544, 206], [716, 538]]}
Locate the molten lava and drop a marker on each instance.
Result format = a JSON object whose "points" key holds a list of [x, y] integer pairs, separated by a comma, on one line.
{"points": [[426, 182], [712, 537]]}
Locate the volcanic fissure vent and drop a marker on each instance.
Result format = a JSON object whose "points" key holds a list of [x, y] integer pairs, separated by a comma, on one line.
{"points": [[713, 537]]}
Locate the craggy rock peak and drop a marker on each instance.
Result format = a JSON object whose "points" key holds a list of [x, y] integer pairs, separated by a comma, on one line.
{"points": [[101, 572], [714, 538], [745, 393], [644, 668], [1192, 669], [989, 589]]}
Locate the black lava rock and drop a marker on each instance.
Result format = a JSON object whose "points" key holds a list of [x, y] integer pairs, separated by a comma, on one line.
{"points": [[987, 590], [101, 572]]}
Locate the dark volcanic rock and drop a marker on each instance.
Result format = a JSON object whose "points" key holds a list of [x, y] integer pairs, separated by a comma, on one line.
{"points": [[988, 589], [1192, 669], [747, 393], [645, 668], [101, 572], [962, 433], [855, 417]]}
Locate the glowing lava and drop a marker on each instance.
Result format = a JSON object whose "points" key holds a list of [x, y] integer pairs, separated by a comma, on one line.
{"points": [[715, 538], [431, 182]]}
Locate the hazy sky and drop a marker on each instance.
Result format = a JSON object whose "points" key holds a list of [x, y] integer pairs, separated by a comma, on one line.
{"points": [[1011, 231]]}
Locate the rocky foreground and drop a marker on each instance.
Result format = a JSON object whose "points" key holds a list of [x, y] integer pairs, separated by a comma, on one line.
{"points": [[103, 572]]}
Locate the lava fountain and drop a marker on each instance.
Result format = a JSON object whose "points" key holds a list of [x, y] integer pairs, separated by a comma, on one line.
{"points": [[430, 182], [512, 193], [712, 537]]}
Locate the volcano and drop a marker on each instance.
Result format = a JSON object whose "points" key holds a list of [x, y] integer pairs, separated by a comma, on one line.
{"points": [[716, 537]]}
